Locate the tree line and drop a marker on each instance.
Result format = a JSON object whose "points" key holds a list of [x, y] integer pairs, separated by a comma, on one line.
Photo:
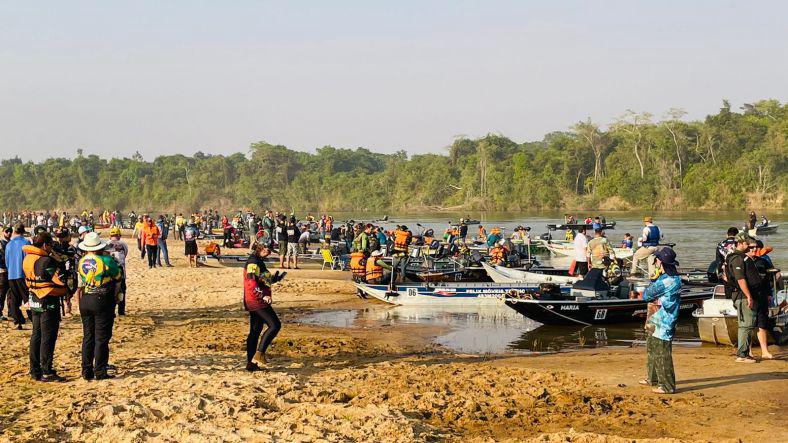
{"points": [[730, 160]]}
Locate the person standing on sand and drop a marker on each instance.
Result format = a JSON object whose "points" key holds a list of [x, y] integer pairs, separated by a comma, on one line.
{"points": [[17, 289], [6, 236], [190, 234], [139, 227], [150, 238], [99, 291], [662, 325], [741, 282], [257, 301], [46, 285], [119, 250], [161, 246]]}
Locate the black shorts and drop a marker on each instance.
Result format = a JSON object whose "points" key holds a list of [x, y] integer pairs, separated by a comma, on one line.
{"points": [[581, 268], [761, 311]]}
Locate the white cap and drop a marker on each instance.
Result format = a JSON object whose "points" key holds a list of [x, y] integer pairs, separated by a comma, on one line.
{"points": [[82, 230]]}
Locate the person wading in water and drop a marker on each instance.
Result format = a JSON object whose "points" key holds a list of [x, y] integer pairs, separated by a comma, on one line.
{"points": [[257, 301]]}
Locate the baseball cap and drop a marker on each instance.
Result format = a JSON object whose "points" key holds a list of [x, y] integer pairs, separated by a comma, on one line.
{"points": [[743, 237]]}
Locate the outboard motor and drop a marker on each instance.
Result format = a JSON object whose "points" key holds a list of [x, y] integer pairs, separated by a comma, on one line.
{"points": [[593, 285], [550, 291]]}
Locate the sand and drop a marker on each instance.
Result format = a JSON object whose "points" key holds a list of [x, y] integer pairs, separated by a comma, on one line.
{"points": [[180, 358]]}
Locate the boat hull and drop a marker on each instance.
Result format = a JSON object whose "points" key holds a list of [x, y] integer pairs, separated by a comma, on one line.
{"points": [[500, 274], [718, 329], [598, 311], [470, 294]]}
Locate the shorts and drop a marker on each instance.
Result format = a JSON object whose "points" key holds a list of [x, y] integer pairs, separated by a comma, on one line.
{"points": [[292, 249], [761, 314], [581, 268], [190, 248], [282, 248]]}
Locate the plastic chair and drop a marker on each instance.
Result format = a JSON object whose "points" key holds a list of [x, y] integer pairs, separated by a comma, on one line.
{"points": [[328, 259]]}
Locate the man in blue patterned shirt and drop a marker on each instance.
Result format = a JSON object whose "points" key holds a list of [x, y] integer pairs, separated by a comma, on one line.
{"points": [[661, 326]]}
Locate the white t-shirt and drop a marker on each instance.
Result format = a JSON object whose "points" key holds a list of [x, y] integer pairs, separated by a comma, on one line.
{"points": [[581, 244], [118, 250]]}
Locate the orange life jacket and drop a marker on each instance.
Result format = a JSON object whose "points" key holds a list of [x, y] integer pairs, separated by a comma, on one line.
{"points": [[357, 265], [428, 240], [497, 254], [374, 270], [401, 240], [35, 263], [211, 248]]}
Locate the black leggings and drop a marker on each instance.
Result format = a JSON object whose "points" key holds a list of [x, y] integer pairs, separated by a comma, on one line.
{"points": [[258, 319]]}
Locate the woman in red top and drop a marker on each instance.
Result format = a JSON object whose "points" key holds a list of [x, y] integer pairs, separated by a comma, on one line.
{"points": [[257, 300]]}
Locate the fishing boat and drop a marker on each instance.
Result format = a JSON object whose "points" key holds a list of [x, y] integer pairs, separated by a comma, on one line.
{"points": [[576, 226], [590, 302], [500, 274], [761, 229], [449, 294], [562, 249]]}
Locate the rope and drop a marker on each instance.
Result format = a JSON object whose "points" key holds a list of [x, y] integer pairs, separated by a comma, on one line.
{"points": [[564, 316]]}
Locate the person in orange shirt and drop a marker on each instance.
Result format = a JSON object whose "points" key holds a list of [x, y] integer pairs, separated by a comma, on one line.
{"points": [[150, 237]]}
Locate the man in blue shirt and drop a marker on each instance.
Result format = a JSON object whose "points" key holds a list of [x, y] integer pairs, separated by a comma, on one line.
{"points": [[17, 293], [664, 292], [164, 230]]}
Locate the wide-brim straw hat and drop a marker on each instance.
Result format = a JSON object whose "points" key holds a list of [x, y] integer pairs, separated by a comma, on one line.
{"points": [[92, 242]]}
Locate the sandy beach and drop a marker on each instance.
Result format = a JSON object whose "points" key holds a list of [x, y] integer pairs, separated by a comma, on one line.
{"points": [[181, 377]]}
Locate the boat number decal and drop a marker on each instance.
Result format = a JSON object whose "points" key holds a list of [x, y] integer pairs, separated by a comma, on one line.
{"points": [[600, 314], [457, 277], [412, 292]]}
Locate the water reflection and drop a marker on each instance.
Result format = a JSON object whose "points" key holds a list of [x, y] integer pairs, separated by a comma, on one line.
{"points": [[495, 329], [561, 338]]}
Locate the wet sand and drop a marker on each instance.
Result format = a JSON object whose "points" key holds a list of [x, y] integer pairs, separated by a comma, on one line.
{"points": [[180, 358]]}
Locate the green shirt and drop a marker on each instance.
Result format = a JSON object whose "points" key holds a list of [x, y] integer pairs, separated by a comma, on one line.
{"points": [[98, 274], [598, 249]]}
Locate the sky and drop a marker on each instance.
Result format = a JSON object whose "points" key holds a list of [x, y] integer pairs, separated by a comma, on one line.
{"points": [[166, 77]]}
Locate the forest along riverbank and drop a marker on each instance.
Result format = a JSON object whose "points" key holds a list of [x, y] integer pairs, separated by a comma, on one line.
{"points": [[180, 376]]}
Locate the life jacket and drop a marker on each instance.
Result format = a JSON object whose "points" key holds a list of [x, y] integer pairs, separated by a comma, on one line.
{"points": [[401, 239], [211, 248], [652, 239], [570, 235], [41, 273], [357, 265], [428, 240], [498, 254], [374, 271]]}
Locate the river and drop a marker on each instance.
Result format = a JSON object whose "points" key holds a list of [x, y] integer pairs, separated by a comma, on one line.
{"points": [[695, 233]]}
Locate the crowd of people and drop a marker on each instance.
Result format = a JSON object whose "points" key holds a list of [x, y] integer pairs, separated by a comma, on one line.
{"points": [[65, 262], [43, 274]]}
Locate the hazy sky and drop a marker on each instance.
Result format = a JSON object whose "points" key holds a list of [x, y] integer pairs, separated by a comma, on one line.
{"points": [[170, 76]]}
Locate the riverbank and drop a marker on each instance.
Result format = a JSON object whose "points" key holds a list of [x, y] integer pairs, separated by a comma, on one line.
{"points": [[180, 378]]}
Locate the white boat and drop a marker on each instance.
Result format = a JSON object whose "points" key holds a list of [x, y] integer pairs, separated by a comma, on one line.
{"points": [[717, 319], [448, 294], [569, 250], [500, 274]]}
